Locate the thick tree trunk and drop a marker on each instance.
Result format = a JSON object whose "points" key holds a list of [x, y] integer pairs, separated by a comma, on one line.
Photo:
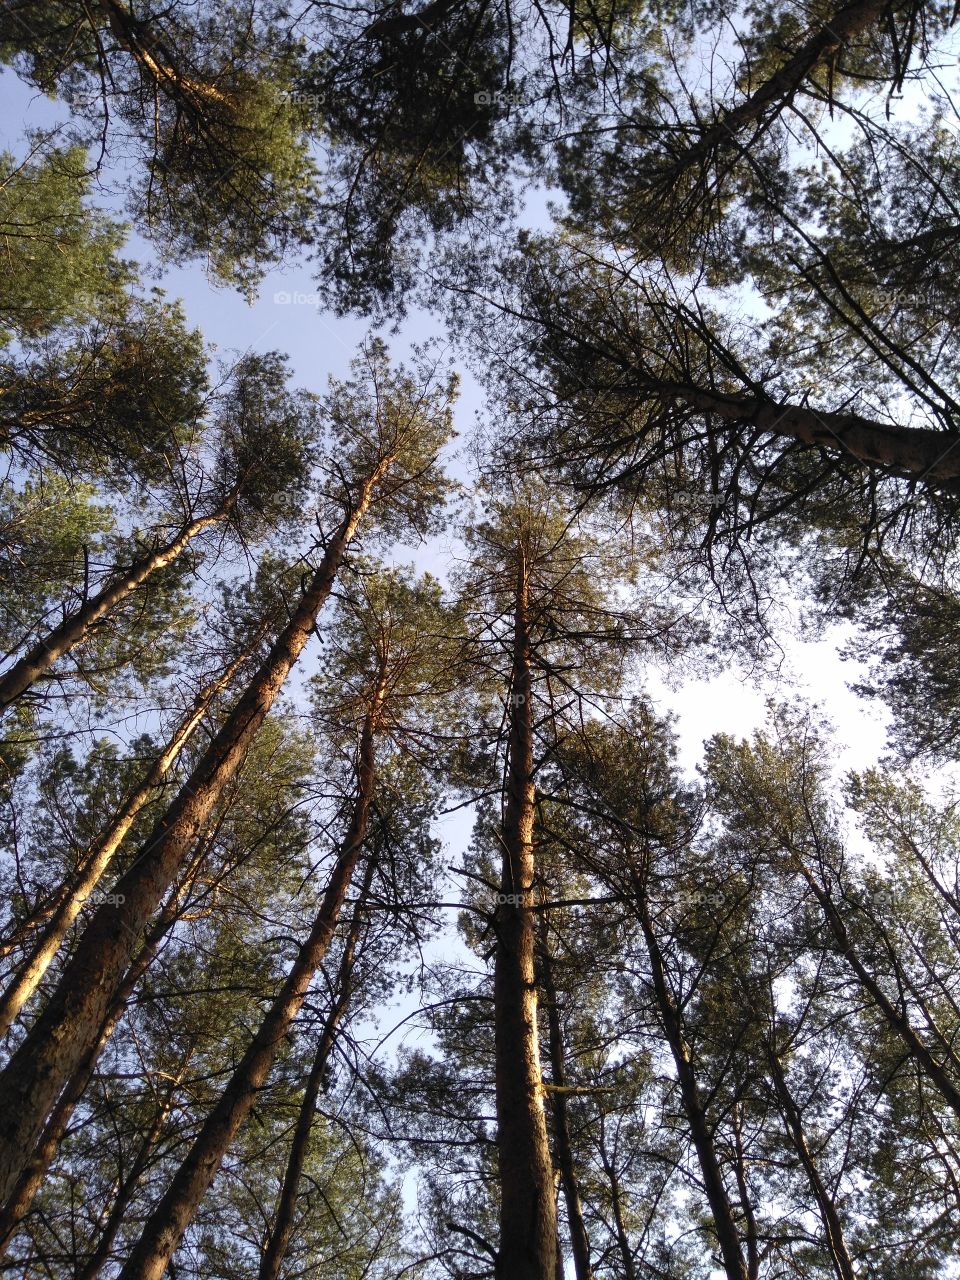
{"points": [[528, 1216], [31, 1179], [579, 1241], [723, 1217], [915, 453], [271, 1260], [78, 625], [793, 1122], [99, 859], [167, 1223], [67, 1029]]}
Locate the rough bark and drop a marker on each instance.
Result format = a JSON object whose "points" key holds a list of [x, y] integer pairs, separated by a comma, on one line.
{"points": [[77, 626], [99, 858], [31, 1179], [528, 1217], [563, 1147], [67, 1029], [166, 1225], [914, 453], [276, 1247]]}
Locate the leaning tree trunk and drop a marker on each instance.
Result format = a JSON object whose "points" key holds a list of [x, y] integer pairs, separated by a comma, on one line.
{"points": [[273, 1255], [77, 626], [724, 1221], [579, 1241], [793, 1123], [67, 1029], [99, 858], [896, 1019], [780, 87], [528, 1214], [167, 1223], [31, 1179], [128, 1188]]}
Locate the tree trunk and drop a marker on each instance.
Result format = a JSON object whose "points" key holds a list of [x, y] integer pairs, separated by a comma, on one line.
{"points": [[279, 1240], [118, 1210], [898, 1022], [793, 1122], [98, 859], [167, 1223], [916, 453], [579, 1242], [29, 1183], [67, 1029], [616, 1204], [528, 1216], [780, 87], [723, 1217], [78, 625]]}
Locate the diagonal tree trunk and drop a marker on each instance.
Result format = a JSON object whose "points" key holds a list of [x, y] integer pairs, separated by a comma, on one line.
{"points": [[724, 1221], [915, 453], [67, 1029], [98, 860], [779, 89], [279, 1239], [75, 628], [528, 1214], [896, 1019], [793, 1123], [167, 1223], [29, 1183]]}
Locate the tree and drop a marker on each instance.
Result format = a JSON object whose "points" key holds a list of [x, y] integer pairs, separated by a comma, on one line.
{"points": [[387, 433]]}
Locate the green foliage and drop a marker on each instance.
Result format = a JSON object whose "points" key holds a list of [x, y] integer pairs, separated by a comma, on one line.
{"points": [[58, 254]]}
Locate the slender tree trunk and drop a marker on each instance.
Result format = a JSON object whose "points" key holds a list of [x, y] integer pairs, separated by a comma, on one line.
{"points": [[271, 1260], [97, 861], [528, 1216], [751, 1233], [579, 1242], [723, 1217], [118, 1210], [78, 625], [793, 1122], [774, 93], [167, 1223], [31, 1179], [897, 1021], [616, 1204], [67, 1029]]}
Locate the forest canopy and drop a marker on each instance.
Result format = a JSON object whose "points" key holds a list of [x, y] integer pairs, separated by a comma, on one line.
{"points": [[369, 909]]}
